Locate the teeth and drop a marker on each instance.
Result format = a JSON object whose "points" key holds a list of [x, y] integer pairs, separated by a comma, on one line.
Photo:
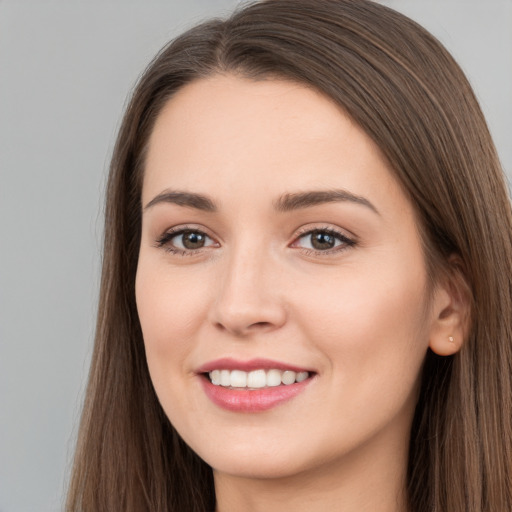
{"points": [[288, 377], [256, 379], [225, 378], [301, 376], [238, 379], [215, 377], [274, 378]]}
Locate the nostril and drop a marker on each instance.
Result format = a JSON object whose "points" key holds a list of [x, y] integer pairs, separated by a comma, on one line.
{"points": [[260, 324], [241, 330]]}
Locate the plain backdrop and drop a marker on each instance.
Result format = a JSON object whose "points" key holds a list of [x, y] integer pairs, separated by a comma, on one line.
{"points": [[66, 68]]}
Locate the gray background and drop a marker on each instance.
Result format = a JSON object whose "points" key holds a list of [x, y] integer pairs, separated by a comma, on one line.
{"points": [[66, 68]]}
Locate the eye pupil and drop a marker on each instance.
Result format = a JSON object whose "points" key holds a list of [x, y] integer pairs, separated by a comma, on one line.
{"points": [[193, 240], [322, 240]]}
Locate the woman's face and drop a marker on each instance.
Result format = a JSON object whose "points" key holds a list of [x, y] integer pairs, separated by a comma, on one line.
{"points": [[277, 246]]}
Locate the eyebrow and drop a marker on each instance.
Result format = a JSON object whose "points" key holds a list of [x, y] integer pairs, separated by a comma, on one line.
{"points": [[187, 199], [285, 203], [299, 200]]}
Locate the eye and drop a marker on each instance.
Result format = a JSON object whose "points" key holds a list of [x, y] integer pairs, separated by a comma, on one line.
{"points": [[191, 240], [323, 240], [184, 240]]}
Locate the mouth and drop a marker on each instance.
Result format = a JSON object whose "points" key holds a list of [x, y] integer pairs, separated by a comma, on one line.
{"points": [[253, 386], [255, 379]]}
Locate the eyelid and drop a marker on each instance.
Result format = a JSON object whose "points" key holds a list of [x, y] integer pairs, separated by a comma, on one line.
{"points": [[348, 239], [163, 241], [323, 226]]}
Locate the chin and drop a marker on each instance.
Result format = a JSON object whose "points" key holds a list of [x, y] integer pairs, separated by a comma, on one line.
{"points": [[249, 457], [259, 468], [260, 459]]}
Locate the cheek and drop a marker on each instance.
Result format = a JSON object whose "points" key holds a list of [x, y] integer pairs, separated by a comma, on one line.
{"points": [[375, 345], [171, 309], [372, 323]]}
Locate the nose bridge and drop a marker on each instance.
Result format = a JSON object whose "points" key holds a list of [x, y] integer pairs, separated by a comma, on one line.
{"points": [[248, 299]]}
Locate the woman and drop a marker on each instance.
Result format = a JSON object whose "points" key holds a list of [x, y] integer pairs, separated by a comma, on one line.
{"points": [[307, 281]]}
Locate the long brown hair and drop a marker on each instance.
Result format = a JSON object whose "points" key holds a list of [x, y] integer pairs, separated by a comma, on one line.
{"points": [[404, 89]]}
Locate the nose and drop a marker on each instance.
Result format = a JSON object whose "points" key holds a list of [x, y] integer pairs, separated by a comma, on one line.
{"points": [[249, 299]]}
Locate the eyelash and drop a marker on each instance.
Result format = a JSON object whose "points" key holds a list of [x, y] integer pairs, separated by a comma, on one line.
{"points": [[164, 241], [346, 242]]}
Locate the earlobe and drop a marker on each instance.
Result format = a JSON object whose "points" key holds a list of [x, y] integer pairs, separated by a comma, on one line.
{"points": [[445, 347], [450, 315]]}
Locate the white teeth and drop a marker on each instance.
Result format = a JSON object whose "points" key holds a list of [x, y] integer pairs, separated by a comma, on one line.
{"points": [[256, 379], [301, 376], [238, 379], [274, 378], [225, 378], [215, 376], [288, 377]]}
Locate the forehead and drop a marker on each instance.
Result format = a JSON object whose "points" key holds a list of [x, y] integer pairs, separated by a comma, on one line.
{"points": [[228, 134], [222, 102]]}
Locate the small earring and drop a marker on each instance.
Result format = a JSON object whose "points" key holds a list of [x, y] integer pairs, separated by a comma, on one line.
{"points": [[451, 339]]}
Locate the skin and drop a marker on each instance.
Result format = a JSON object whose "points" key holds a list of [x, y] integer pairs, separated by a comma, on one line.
{"points": [[356, 314]]}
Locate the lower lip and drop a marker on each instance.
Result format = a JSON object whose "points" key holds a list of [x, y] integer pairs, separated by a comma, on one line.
{"points": [[254, 400]]}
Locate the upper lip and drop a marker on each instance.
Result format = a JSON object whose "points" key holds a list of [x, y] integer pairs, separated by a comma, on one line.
{"points": [[228, 363]]}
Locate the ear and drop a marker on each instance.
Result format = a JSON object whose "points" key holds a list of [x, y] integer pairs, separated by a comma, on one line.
{"points": [[451, 311]]}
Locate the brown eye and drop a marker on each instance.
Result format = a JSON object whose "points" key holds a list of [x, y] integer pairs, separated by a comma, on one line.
{"points": [[323, 240], [184, 240], [192, 239]]}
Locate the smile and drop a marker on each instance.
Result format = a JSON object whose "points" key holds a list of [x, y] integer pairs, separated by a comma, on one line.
{"points": [[256, 379], [253, 386]]}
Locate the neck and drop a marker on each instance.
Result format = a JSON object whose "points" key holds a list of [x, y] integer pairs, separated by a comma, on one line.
{"points": [[363, 482]]}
